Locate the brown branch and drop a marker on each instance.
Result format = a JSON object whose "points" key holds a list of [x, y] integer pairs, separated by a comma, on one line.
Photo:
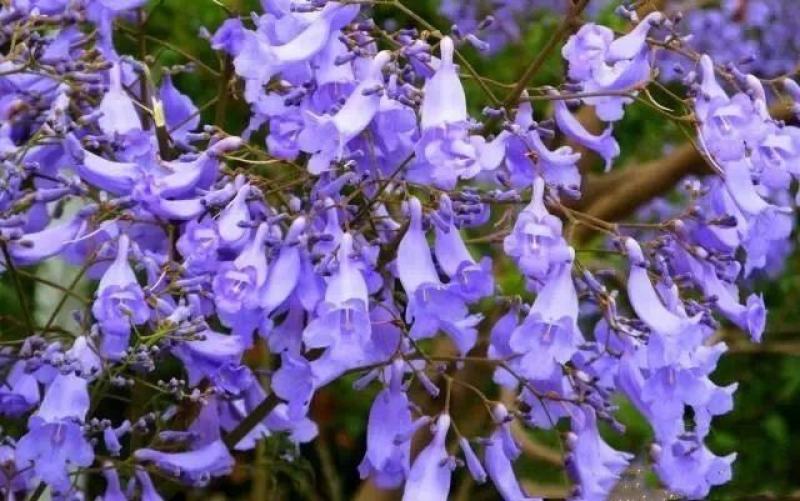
{"points": [[564, 28]]}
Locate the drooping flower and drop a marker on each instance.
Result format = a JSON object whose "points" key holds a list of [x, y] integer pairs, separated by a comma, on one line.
{"points": [[501, 452], [446, 152], [474, 280], [536, 242], [430, 475], [119, 303], [592, 463], [432, 305], [549, 336], [389, 427]]}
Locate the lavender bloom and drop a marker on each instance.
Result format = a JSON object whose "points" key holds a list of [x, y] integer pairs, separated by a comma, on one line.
{"points": [[446, 152], [388, 454], [20, 392], [342, 325], [604, 144], [432, 305], [536, 243], [119, 303], [592, 463], [181, 116], [214, 357], [54, 448], [327, 136], [501, 451], [430, 475], [527, 157], [34, 248], [604, 65], [118, 114], [259, 58], [195, 467], [238, 285], [473, 279], [691, 469], [113, 490], [549, 336]]}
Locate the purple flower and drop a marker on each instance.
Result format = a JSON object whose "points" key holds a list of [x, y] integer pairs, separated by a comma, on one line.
{"points": [[118, 114], [536, 243], [119, 303], [195, 467], [52, 449], [446, 152], [591, 462], [474, 280], [549, 336], [389, 428], [604, 144], [20, 393], [342, 326], [432, 305], [430, 475], [690, 469], [501, 452], [214, 356]]}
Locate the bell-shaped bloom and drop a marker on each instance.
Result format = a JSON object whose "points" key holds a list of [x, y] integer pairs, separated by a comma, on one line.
{"points": [[284, 274], [603, 144], [180, 113], [729, 126], [501, 452], [84, 358], [195, 467], [232, 221], [431, 305], [238, 285], [117, 178], [198, 244], [118, 114], [474, 466], [182, 179], [445, 102], [327, 136], [36, 247], [690, 469], [342, 325], [258, 59], [386, 461], [212, 357], [20, 391], [446, 152], [549, 336], [761, 224], [473, 280], [750, 316], [527, 157], [592, 463], [499, 344], [601, 64], [430, 475], [147, 490], [586, 49], [119, 303], [674, 336], [66, 399], [113, 490], [536, 242], [53, 449]]}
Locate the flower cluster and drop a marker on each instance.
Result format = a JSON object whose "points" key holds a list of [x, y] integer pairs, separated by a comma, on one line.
{"points": [[332, 233]]}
